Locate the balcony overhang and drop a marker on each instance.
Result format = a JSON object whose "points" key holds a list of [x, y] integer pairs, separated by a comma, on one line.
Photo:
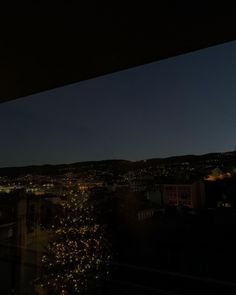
{"points": [[44, 49]]}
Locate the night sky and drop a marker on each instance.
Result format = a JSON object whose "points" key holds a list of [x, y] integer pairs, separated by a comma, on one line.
{"points": [[181, 105]]}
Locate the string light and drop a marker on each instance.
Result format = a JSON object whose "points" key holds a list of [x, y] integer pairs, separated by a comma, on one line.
{"points": [[79, 254]]}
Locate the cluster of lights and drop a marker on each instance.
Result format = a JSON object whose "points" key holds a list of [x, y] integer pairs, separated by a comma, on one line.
{"points": [[79, 252]]}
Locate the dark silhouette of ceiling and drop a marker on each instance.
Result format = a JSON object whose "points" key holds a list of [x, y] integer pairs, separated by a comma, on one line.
{"points": [[43, 48]]}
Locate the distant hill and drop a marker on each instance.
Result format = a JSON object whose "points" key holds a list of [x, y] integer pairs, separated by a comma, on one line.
{"points": [[227, 158]]}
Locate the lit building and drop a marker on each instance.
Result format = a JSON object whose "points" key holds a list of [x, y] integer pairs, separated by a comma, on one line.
{"points": [[145, 214], [191, 195]]}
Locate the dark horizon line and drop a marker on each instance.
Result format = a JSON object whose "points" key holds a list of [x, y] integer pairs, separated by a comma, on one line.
{"points": [[118, 159]]}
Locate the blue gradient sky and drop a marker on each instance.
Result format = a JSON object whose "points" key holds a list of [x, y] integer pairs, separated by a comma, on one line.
{"points": [[181, 105]]}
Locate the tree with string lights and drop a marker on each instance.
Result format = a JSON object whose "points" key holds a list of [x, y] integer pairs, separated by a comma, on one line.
{"points": [[78, 257]]}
